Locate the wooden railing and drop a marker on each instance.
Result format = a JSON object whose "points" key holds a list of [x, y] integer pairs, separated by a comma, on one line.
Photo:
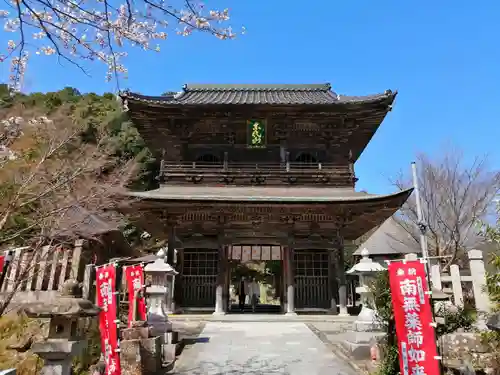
{"points": [[258, 173], [38, 275]]}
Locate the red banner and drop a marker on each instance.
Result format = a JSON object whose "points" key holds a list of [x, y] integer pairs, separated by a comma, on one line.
{"points": [[135, 282], [106, 300], [413, 315], [2, 263]]}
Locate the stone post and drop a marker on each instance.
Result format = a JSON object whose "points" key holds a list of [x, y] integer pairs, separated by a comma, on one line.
{"points": [[64, 341], [456, 285], [436, 277], [478, 274]]}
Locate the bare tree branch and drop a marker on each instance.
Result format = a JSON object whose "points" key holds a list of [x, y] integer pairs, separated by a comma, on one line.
{"points": [[454, 196]]}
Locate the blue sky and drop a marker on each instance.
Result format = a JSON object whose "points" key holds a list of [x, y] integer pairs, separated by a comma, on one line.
{"points": [[443, 57]]}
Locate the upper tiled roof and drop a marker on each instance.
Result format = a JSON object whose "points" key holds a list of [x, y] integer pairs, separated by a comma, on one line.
{"points": [[288, 94]]}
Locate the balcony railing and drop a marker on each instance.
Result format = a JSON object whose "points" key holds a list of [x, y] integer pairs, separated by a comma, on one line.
{"points": [[258, 173]]}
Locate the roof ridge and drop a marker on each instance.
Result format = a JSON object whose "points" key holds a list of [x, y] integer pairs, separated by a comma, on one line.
{"points": [[192, 87]]}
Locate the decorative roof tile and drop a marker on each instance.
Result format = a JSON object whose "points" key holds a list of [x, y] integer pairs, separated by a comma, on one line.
{"points": [[287, 94]]}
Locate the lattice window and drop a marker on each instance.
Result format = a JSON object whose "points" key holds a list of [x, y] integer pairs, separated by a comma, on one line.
{"points": [[308, 263], [200, 262]]}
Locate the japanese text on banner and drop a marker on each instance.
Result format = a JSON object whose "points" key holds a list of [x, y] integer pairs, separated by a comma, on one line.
{"points": [[413, 316], [106, 300], [135, 281]]}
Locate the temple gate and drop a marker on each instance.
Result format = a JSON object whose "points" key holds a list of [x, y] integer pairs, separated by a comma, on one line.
{"points": [[246, 164]]}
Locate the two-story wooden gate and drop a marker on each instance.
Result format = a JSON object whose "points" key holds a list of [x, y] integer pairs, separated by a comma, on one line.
{"points": [[311, 279], [200, 268]]}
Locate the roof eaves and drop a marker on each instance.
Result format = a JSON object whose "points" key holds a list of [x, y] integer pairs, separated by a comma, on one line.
{"points": [[151, 196]]}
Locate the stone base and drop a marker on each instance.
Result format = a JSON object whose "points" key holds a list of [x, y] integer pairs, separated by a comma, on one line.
{"points": [[219, 313], [343, 311], [292, 313], [168, 366], [366, 326], [136, 333], [358, 344], [170, 352], [140, 356], [158, 328]]}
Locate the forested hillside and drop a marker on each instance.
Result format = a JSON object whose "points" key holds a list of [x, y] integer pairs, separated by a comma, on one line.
{"points": [[63, 148]]}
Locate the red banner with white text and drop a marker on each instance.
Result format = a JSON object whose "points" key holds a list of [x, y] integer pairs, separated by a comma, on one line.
{"points": [[413, 316], [106, 300], [135, 282]]}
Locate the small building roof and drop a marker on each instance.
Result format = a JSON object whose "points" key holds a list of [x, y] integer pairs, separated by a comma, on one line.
{"points": [[78, 221], [388, 239], [267, 94], [262, 194]]}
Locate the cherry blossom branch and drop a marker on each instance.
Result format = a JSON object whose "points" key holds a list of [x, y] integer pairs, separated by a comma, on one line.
{"points": [[102, 30]]}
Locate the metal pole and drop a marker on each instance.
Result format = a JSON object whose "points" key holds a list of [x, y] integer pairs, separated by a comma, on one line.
{"points": [[422, 226], [420, 216]]}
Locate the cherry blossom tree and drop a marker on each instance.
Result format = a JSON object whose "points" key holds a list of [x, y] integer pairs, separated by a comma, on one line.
{"points": [[101, 30]]}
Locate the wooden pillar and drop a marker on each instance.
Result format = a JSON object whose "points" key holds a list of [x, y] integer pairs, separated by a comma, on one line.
{"points": [[332, 263], [221, 280], [179, 265], [170, 260], [290, 282], [227, 276], [341, 277]]}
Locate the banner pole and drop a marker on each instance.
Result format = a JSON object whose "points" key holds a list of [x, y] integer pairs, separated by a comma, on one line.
{"points": [[422, 226], [118, 286]]}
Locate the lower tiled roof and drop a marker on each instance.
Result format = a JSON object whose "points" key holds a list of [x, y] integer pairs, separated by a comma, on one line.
{"points": [[313, 94], [263, 194]]}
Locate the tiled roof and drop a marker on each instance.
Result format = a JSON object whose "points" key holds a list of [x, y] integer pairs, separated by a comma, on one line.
{"points": [[78, 221], [265, 194], [313, 94], [389, 238]]}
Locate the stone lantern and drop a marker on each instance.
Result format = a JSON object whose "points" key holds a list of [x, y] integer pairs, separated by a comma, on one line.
{"points": [[160, 280], [366, 269], [64, 340], [159, 277]]}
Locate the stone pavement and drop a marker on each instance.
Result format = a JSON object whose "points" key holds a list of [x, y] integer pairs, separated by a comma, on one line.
{"points": [[260, 348]]}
